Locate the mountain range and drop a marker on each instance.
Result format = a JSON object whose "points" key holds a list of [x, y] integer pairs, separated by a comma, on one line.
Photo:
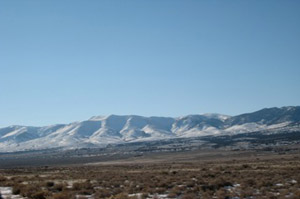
{"points": [[100, 131]]}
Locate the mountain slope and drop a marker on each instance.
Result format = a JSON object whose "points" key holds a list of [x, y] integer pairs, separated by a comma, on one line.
{"points": [[99, 131], [268, 116]]}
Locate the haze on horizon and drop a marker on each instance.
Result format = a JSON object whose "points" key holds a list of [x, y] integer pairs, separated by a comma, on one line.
{"points": [[64, 61]]}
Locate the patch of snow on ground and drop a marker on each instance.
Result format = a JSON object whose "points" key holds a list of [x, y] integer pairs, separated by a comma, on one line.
{"points": [[84, 196], [6, 193]]}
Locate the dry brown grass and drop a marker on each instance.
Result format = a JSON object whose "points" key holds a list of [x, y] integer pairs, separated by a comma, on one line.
{"points": [[184, 180]]}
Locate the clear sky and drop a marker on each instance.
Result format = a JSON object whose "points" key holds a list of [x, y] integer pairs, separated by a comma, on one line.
{"points": [[68, 60]]}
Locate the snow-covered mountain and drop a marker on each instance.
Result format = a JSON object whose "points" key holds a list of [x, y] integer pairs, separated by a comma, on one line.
{"points": [[99, 131]]}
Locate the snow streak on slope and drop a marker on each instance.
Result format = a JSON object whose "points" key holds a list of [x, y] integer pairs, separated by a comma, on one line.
{"points": [[100, 130]]}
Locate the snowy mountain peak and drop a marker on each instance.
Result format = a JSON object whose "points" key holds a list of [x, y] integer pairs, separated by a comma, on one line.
{"points": [[217, 116], [102, 130]]}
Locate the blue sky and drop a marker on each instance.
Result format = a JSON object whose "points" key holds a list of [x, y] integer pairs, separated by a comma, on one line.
{"points": [[68, 60]]}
